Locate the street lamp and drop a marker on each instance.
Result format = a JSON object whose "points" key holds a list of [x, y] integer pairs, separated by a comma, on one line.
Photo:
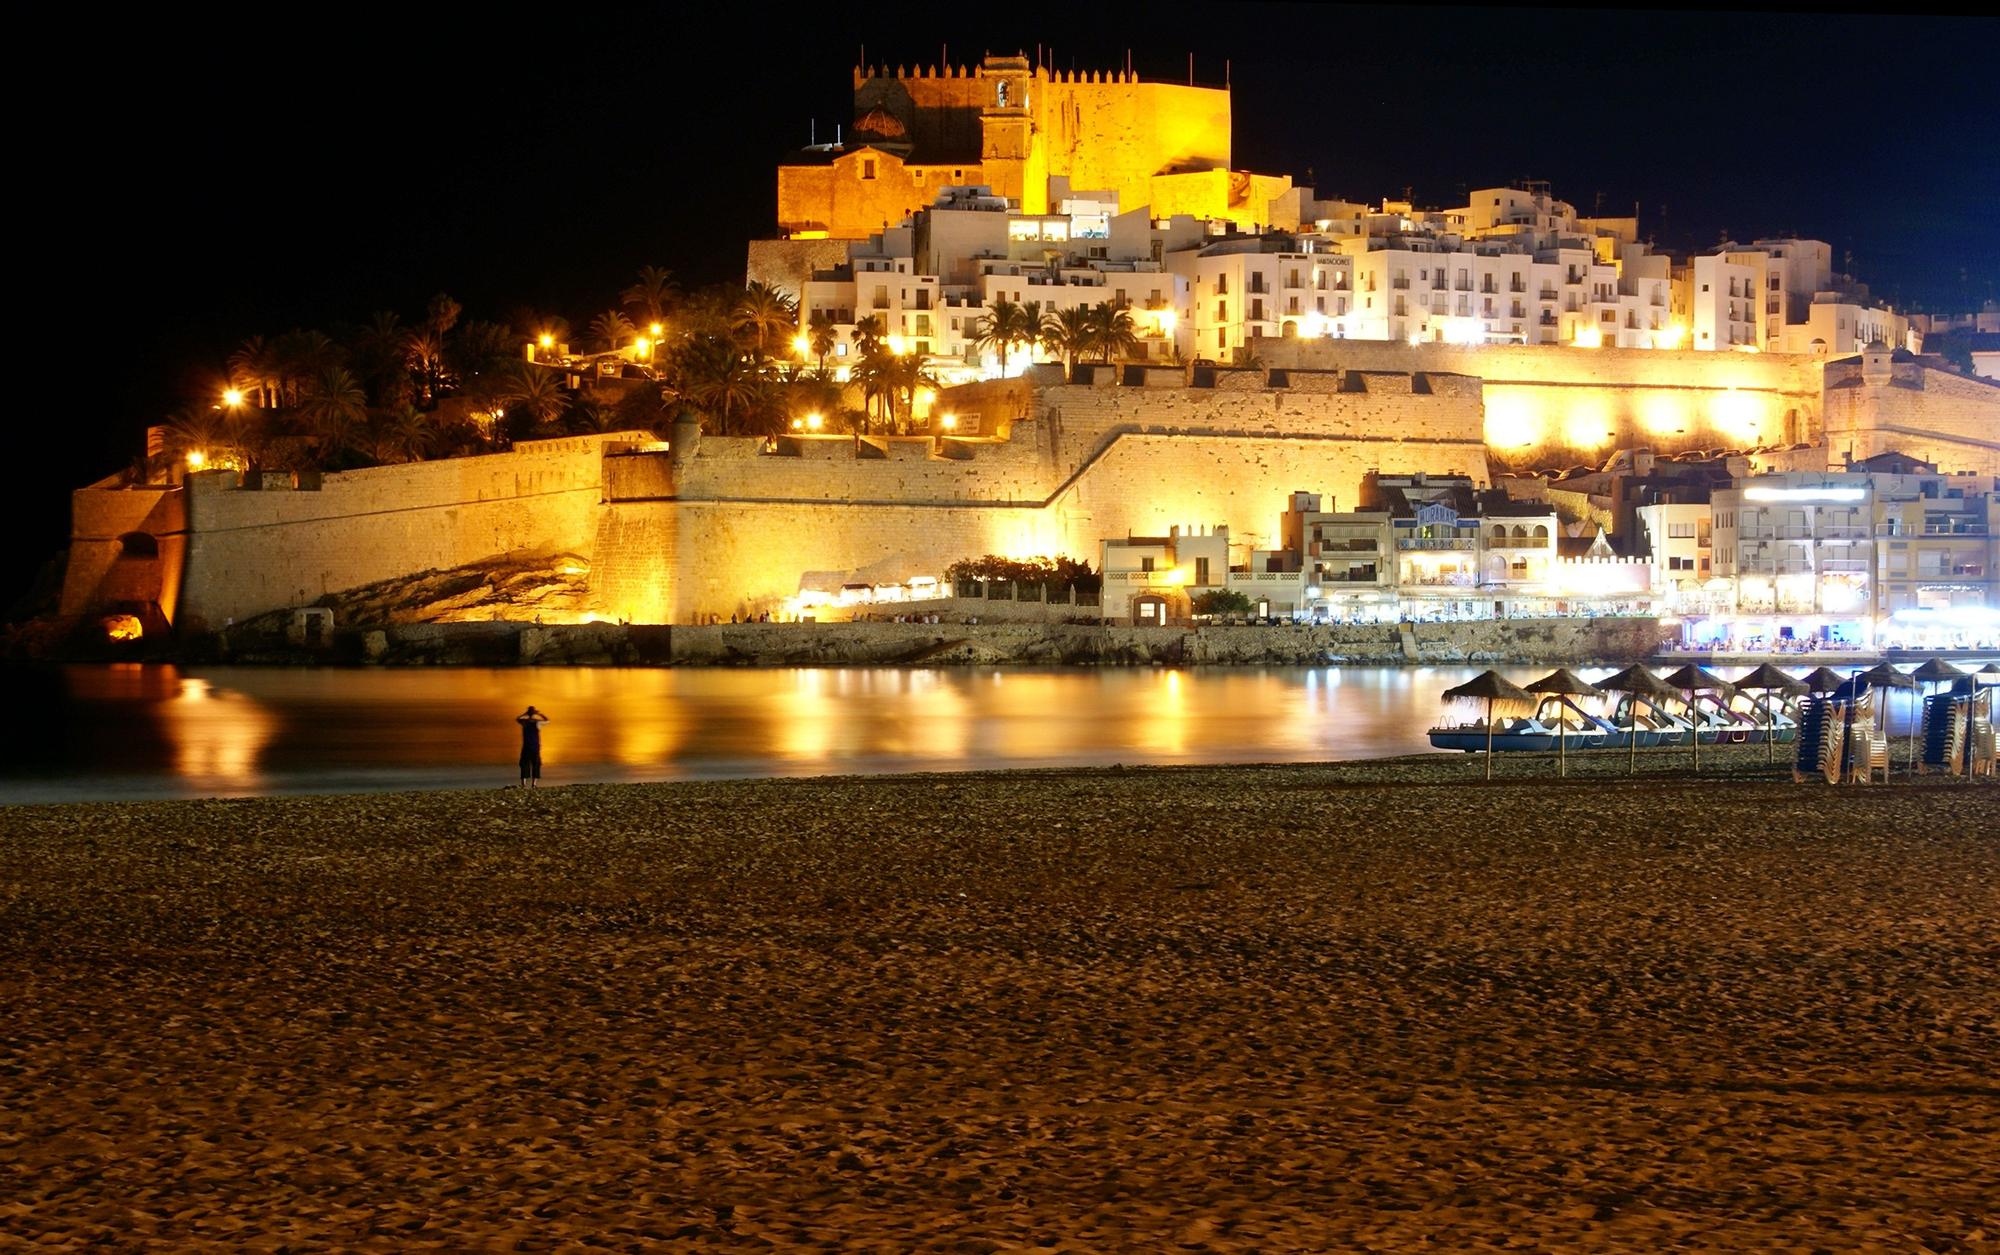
{"points": [[232, 398]]}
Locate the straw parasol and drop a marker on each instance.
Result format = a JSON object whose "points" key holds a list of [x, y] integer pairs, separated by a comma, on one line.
{"points": [[1562, 682], [1636, 682], [1691, 680], [1494, 687], [1933, 671], [1768, 679], [1823, 680]]}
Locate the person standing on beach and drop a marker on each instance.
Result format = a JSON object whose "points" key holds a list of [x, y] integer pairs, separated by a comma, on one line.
{"points": [[531, 721]]}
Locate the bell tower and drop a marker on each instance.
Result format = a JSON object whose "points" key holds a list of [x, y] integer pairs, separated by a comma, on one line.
{"points": [[1008, 152]]}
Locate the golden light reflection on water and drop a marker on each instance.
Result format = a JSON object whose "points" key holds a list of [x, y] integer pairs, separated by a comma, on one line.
{"points": [[162, 731]]}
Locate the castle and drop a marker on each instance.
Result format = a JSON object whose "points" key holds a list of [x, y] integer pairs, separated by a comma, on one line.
{"points": [[1270, 362]]}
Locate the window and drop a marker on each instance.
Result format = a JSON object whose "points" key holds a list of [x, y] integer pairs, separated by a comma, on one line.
{"points": [[1680, 531], [1145, 564], [1222, 311], [868, 168], [1222, 285], [1201, 570]]}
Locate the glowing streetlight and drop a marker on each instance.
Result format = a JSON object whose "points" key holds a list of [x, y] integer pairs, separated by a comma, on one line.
{"points": [[642, 347], [801, 345], [798, 424], [232, 397], [949, 422], [546, 340], [196, 459], [813, 421], [656, 329]]}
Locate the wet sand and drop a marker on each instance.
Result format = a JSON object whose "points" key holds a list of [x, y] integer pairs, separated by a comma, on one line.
{"points": [[1374, 1006]]}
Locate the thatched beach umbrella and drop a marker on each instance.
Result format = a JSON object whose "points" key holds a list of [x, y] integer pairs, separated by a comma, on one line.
{"points": [[1933, 671], [1494, 687], [1768, 679], [1691, 680], [1823, 680], [1636, 682], [1561, 683]]}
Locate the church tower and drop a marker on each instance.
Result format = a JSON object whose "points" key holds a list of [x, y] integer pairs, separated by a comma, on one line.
{"points": [[1010, 153]]}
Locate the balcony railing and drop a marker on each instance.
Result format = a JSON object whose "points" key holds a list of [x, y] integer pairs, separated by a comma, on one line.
{"points": [[1428, 543]]}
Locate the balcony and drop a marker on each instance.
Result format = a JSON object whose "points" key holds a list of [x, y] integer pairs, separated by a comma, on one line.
{"points": [[1345, 546], [1461, 544]]}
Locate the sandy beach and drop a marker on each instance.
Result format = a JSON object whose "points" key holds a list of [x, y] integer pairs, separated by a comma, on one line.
{"points": [[1373, 1007]]}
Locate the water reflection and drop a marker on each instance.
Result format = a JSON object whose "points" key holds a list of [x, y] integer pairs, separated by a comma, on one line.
{"points": [[133, 731]]}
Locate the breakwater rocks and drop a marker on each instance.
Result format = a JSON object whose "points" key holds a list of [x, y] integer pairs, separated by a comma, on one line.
{"points": [[1569, 641]]}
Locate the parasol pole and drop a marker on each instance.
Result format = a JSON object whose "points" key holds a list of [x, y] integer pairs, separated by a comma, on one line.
{"points": [[1562, 764], [1489, 738], [1631, 734], [1694, 730]]}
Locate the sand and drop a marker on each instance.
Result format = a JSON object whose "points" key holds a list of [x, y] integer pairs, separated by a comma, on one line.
{"points": [[1372, 1007]]}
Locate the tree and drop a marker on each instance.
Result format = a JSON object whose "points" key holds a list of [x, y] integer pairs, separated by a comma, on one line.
{"points": [[534, 391], [1007, 325], [441, 315], [727, 390], [406, 434], [1219, 601], [253, 369], [1111, 330], [762, 312], [651, 295], [1069, 334], [423, 349], [333, 408], [611, 329], [821, 336]]}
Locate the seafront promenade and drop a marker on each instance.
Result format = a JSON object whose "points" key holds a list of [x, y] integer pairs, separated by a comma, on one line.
{"points": [[1348, 1006]]}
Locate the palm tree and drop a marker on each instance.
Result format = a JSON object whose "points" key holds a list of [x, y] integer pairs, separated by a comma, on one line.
{"points": [[1007, 324], [821, 337], [611, 329], [1069, 333], [650, 296], [407, 435], [868, 335], [253, 368], [537, 391], [441, 315], [1111, 330], [905, 375], [423, 349], [300, 358], [333, 408], [726, 392], [763, 311]]}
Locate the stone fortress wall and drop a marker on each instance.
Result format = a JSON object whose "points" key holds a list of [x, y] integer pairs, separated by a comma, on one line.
{"points": [[252, 551], [1876, 404], [1550, 404], [720, 526]]}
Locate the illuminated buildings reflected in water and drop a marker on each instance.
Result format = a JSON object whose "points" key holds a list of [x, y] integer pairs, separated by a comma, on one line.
{"points": [[160, 732]]}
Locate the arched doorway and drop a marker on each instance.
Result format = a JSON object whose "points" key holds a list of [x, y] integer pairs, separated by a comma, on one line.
{"points": [[1149, 610]]}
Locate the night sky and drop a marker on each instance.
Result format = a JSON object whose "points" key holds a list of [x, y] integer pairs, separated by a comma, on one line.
{"points": [[202, 185]]}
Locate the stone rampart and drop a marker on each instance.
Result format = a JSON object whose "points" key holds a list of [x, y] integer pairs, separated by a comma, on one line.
{"points": [[1554, 404], [731, 527], [252, 551], [1908, 407]]}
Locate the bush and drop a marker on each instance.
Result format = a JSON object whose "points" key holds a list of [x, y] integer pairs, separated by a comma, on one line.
{"points": [[1220, 601], [1037, 572]]}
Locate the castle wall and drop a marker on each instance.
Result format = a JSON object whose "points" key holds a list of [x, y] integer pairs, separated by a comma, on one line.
{"points": [[252, 551], [100, 576], [742, 528], [1878, 406], [1557, 405]]}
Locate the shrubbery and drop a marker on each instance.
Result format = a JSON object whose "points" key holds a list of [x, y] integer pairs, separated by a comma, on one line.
{"points": [[1047, 572]]}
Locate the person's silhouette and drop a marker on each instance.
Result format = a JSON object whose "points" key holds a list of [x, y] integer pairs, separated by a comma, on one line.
{"points": [[531, 721]]}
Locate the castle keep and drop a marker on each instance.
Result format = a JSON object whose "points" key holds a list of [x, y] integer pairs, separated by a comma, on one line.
{"points": [[1012, 126]]}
